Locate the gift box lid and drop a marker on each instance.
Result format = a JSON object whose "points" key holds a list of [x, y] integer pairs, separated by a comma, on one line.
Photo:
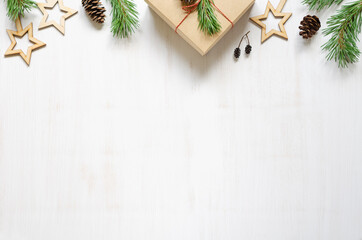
{"points": [[171, 11]]}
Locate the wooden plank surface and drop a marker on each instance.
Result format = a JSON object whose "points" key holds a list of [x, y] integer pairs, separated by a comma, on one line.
{"points": [[145, 139]]}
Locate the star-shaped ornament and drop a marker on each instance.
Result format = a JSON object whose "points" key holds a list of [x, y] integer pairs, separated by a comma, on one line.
{"points": [[50, 4], [277, 13], [21, 33]]}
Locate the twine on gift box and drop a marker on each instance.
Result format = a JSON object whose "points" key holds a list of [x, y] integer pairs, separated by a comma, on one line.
{"points": [[191, 8]]}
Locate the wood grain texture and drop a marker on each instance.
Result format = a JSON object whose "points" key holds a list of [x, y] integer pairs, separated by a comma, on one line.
{"points": [[145, 139]]}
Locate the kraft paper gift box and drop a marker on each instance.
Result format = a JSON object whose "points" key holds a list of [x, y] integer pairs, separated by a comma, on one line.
{"points": [[171, 11]]}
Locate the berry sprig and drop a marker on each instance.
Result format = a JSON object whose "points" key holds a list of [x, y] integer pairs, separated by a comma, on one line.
{"points": [[248, 48]]}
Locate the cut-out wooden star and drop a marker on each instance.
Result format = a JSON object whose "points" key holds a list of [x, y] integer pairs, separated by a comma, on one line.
{"points": [[20, 33], [277, 13], [49, 5]]}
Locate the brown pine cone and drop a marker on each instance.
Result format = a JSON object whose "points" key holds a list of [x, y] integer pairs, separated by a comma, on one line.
{"points": [[188, 2], [237, 53], [309, 26], [95, 10], [248, 49]]}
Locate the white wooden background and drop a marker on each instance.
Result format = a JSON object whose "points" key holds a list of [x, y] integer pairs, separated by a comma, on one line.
{"points": [[144, 139]]}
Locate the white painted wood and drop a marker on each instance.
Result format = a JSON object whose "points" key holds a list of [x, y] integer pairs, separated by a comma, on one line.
{"points": [[145, 139]]}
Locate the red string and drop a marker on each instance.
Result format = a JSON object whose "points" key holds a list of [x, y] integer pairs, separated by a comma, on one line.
{"points": [[189, 9]]}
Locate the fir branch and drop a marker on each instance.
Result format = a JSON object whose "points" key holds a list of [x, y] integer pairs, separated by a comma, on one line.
{"points": [[320, 4], [17, 8], [208, 22], [124, 18], [344, 28]]}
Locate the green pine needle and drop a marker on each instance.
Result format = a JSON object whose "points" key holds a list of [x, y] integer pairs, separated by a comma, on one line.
{"points": [[18, 8], [208, 22], [320, 4], [344, 28], [124, 18]]}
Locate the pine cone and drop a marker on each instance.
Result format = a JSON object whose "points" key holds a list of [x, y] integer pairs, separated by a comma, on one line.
{"points": [[248, 49], [188, 2], [95, 10], [237, 53], [309, 26]]}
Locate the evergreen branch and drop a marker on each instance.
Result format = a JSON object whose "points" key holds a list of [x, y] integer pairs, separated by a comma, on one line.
{"points": [[17, 8], [344, 28], [320, 4], [208, 22], [124, 18]]}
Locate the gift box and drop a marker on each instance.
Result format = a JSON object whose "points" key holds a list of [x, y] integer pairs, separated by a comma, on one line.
{"points": [[171, 11]]}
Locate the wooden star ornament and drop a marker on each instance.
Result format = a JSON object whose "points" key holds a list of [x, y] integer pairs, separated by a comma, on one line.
{"points": [[20, 33], [277, 13], [50, 4]]}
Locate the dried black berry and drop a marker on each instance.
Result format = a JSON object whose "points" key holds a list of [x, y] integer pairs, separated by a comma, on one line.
{"points": [[237, 53], [248, 49]]}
